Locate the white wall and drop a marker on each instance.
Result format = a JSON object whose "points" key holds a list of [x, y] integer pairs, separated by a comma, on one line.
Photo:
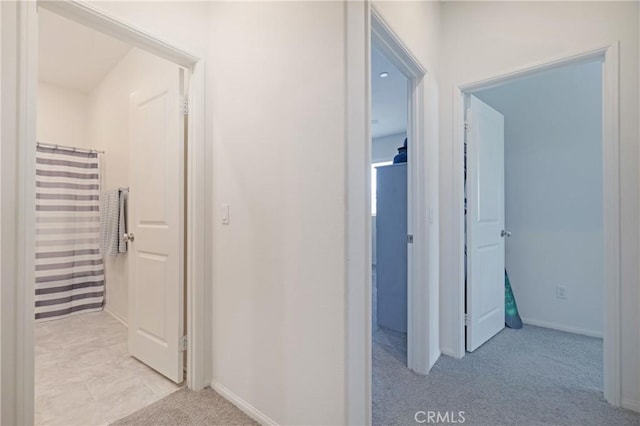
{"points": [[108, 118], [481, 39], [385, 148], [553, 195], [62, 116], [279, 266]]}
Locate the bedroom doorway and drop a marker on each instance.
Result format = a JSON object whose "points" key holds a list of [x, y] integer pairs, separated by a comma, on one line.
{"points": [[603, 61]]}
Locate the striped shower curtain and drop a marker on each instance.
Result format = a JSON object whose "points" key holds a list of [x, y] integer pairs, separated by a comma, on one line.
{"points": [[69, 269]]}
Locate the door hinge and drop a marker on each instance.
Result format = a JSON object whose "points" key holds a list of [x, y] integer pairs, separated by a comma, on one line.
{"points": [[410, 239], [184, 342], [185, 106], [467, 126], [467, 319]]}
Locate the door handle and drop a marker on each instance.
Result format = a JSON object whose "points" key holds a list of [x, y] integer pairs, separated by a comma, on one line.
{"points": [[504, 233], [128, 238]]}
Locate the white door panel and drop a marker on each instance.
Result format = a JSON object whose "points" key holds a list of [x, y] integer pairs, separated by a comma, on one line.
{"points": [[156, 278], [485, 222]]}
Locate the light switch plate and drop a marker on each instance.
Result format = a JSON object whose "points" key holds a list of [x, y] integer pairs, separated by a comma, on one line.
{"points": [[225, 214]]}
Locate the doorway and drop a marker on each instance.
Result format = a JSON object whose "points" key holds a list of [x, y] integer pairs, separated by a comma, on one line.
{"points": [[26, 39], [109, 259], [417, 243], [547, 188], [389, 205], [404, 192], [606, 59], [535, 228]]}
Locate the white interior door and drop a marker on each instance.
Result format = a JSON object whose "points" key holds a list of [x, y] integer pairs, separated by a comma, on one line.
{"points": [[485, 223], [156, 218]]}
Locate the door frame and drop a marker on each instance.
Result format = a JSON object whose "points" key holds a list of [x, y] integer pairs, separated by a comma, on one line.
{"points": [[383, 38], [21, 408], [365, 25], [609, 55]]}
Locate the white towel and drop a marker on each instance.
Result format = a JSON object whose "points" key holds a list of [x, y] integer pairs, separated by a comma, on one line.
{"points": [[122, 220], [109, 221]]}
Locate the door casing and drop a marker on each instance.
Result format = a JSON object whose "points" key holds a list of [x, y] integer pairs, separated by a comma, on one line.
{"points": [[20, 409]]}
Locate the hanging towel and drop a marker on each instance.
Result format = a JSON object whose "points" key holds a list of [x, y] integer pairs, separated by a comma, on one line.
{"points": [[109, 221], [122, 219]]}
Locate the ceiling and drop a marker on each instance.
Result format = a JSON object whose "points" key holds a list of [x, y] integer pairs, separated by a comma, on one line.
{"points": [[554, 84], [73, 56], [388, 98]]}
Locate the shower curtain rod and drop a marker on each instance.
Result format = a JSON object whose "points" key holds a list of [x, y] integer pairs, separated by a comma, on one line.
{"points": [[68, 148]]}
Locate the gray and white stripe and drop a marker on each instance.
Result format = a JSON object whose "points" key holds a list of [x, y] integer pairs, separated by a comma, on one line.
{"points": [[69, 275]]}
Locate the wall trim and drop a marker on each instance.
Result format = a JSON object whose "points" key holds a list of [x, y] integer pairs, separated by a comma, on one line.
{"points": [[630, 404], [449, 352], [243, 405], [609, 54], [560, 327], [358, 215], [116, 316]]}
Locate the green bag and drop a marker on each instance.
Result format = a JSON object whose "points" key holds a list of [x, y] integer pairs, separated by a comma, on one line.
{"points": [[511, 317]]}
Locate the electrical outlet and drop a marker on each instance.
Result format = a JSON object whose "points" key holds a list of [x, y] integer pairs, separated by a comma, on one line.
{"points": [[561, 292]]}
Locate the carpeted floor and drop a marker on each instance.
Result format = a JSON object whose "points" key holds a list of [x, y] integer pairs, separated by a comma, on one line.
{"points": [[188, 408], [532, 376], [527, 377]]}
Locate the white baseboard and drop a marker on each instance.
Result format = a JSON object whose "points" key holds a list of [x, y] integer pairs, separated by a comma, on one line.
{"points": [[435, 356], [243, 405], [630, 404], [450, 352], [116, 316], [575, 330]]}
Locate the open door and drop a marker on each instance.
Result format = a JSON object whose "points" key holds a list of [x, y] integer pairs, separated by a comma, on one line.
{"points": [[156, 223], [485, 223]]}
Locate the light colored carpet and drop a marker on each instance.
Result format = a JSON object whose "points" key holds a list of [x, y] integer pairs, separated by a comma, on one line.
{"points": [[188, 408], [532, 376], [394, 341]]}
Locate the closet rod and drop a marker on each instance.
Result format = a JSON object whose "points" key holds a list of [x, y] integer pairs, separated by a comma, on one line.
{"points": [[68, 148]]}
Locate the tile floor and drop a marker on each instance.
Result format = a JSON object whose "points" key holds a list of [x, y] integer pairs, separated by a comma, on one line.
{"points": [[84, 375]]}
